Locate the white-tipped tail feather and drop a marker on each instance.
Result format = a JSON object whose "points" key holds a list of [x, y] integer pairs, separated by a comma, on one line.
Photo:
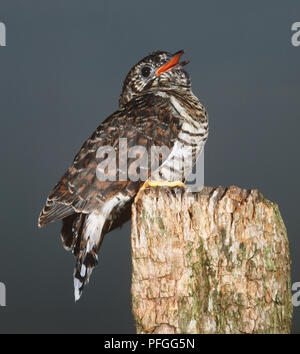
{"points": [[90, 241], [87, 258]]}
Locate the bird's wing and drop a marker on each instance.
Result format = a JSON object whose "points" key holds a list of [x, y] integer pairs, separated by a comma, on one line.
{"points": [[144, 121]]}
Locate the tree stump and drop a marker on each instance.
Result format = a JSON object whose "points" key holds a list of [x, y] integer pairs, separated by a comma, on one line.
{"points": [[216, 261]]}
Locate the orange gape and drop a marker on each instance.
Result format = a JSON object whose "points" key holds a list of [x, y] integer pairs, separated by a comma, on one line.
{"points": [[174, 61]]}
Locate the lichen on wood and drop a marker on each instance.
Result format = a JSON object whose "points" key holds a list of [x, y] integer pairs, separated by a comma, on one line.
{"points": [[216, 261]]}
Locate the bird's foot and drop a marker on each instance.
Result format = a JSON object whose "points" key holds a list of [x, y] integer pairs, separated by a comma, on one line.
{"points": [[151, 183]]}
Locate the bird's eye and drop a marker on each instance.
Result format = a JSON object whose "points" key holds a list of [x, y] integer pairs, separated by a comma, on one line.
{"points": [[145, 71]]}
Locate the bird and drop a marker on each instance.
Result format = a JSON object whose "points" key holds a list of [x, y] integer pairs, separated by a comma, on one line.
{"points": [[157, 108]]}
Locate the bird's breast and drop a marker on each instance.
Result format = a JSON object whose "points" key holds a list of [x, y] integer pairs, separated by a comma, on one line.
{"points": [[190, 141], [194, 121]]}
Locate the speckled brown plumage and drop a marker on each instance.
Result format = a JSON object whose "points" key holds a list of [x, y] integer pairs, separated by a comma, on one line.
{"points": [[152, 112]]}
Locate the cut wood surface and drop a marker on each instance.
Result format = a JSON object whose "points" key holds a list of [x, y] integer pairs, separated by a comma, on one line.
{"points": [[215, 261]]}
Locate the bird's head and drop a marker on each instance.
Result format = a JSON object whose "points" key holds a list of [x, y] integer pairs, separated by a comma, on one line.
{"points": [[157, 70]]}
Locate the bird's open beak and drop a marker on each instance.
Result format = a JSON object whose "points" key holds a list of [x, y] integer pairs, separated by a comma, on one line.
{"points": [[174, 61]]}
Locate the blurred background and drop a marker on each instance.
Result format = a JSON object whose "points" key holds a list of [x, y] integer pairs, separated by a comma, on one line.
{"points": [[61, 73]]}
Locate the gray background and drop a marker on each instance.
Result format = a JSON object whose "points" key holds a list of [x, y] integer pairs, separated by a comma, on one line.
{"points": [[60, 76]]}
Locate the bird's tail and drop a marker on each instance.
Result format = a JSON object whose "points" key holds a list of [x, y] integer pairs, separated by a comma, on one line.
{"points": [[85, 240]]}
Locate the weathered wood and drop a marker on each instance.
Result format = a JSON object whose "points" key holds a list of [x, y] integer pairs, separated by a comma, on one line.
{"points": [[216, 261]]}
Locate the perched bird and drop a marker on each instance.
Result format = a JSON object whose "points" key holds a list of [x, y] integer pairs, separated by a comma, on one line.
{"points": [[156, 108]]}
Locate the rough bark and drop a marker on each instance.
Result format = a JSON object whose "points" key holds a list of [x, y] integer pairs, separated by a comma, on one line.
{"points": [[216, 261]]}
